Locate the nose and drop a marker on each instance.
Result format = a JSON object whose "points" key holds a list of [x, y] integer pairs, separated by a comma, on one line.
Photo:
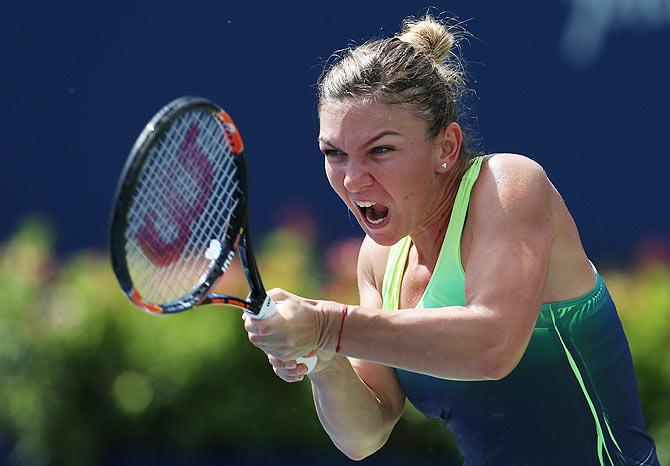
{"points": [[357, 177]]}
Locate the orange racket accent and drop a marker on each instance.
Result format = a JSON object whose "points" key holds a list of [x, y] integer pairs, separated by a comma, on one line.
{"points": [[231, 301], [136, 298], [232, 134]]}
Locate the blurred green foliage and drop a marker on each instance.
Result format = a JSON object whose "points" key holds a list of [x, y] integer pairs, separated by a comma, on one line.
{"points": [[82, 372]]}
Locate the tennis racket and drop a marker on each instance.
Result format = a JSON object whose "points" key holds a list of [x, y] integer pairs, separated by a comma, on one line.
{"points": [[181, 212]]}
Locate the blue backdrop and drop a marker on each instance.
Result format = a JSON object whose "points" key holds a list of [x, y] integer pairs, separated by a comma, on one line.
{"points": [[579, 85]]}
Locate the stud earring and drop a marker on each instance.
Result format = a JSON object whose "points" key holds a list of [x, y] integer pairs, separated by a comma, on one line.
{"points": [[444, 164]]}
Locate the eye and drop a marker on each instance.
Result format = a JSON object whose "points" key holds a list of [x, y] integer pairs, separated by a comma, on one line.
{"points": [[332, 153], [381, 150]]}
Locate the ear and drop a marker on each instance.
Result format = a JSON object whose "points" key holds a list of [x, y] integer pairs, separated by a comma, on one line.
{"points": [[448, 146]]}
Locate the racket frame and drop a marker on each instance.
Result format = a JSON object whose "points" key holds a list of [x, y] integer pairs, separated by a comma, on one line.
{"points": [[238, 237]]}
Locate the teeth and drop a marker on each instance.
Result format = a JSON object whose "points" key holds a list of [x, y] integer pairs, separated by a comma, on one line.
{"points": [[364, 203], [375, 222]]}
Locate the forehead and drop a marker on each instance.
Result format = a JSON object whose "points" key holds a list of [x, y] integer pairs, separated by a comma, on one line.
{"points": [[359, 119]]}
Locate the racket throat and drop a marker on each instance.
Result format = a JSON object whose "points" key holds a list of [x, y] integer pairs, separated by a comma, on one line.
{"points": [[257, 297], [229, 300]]}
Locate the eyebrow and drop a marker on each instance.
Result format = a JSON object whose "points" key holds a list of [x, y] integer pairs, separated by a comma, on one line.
{"points": [[373, 139]]}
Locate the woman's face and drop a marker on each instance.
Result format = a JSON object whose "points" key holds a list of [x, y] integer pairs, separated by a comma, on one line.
{"points": [[381, 163]]}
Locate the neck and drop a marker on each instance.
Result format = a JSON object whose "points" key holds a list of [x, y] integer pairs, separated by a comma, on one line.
{"points": [[429, 235]]}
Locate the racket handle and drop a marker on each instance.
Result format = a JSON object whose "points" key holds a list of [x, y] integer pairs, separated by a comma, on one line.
{"points": [[269, 308]]}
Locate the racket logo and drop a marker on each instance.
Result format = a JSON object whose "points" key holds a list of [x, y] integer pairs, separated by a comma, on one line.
{"points": [[228, 260], [166, 227]]}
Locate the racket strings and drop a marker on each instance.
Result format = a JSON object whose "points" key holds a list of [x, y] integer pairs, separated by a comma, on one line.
{"points": [[165, 215], [201, 234], [186, 274], [223, 200], [183, 274], [185, 198], [160, 209]]}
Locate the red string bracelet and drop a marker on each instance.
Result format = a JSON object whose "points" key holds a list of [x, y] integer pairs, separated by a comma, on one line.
{"points": [[345, 311]]}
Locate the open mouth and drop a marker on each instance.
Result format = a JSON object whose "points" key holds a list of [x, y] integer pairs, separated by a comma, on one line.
{"points": [[374, 213]]}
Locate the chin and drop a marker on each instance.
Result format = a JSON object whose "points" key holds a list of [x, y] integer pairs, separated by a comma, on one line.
{"points": [[383, 234], [384, 241], [382, 238]]}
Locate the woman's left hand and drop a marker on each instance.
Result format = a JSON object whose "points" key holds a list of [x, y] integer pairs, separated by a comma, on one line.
{"points": [[299, 327]]}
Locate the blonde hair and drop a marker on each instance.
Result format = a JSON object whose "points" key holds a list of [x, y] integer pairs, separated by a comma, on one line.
{"points": [[417, 67]]}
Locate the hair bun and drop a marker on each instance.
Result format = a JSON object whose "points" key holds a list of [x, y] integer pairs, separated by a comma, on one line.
{"points": [[428, 36]]}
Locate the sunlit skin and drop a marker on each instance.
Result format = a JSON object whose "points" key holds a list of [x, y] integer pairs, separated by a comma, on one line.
{"points": [[518, 238], [520, 248], [382, 153], [372, 152]]}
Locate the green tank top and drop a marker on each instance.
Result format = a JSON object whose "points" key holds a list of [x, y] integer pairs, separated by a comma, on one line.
{"points": [[571, 400], [449, 285]]}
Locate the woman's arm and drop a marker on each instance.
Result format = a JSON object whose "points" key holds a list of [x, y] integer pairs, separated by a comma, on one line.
{"points": [[357, 402], [506, 270]]}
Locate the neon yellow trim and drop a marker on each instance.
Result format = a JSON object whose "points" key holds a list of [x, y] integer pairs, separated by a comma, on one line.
{"points": [[599, 431], [450, 280], [447, 282], [395, 267]]}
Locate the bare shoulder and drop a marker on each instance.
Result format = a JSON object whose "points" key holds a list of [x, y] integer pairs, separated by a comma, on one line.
{"points": [[372, 260], [513, 171], [509, 183], [513, 198]]}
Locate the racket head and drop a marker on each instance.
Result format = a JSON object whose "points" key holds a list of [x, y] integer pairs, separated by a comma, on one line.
{"points": [[180, 206]]}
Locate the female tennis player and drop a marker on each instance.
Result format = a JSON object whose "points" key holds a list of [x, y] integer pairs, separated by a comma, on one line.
{"points": [[477, 300]]}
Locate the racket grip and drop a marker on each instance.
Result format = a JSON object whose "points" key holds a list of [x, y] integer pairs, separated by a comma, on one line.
{"points": [[269, 308]]}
